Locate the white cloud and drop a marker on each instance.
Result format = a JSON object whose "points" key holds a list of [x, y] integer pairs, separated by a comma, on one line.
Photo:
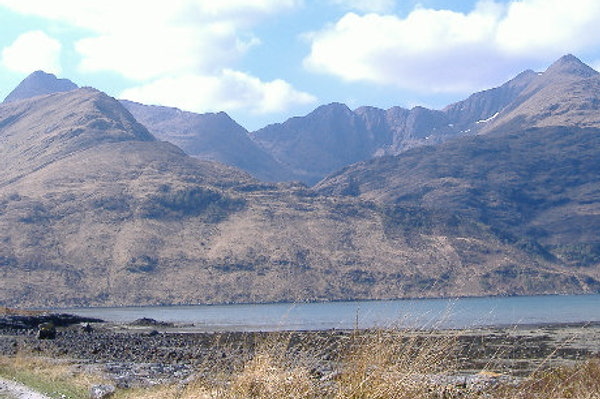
{"points": [[31, 51], [547, 25], [447, 51], [228, 91], [174, 49], [143, 55], [148, 39], [377, 6]]}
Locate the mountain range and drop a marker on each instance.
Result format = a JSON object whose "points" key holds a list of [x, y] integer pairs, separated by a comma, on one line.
{"points": [[494, 195], [310, 147]]}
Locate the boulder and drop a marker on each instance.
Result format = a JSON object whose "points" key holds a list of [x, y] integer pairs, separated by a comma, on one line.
{"points": [[86, 327], [101, 391], [46, 331]]}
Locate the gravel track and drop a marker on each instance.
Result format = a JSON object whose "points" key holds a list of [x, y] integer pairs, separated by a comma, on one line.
{"points": [[14, 390]]}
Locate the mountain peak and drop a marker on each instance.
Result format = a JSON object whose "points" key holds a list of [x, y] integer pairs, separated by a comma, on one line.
{"points": [[570, 65], [39, 83], [333, 107]]}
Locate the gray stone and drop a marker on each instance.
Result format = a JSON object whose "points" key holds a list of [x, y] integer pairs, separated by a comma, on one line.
{"points": [[101, 391]]}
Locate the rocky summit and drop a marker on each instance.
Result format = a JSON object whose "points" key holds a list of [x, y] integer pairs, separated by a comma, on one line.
{"points": [[37, 84], [496, 195]]}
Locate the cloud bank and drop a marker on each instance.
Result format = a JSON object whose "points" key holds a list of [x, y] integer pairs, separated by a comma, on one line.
{"points": [[230, 90], [190, 44], [446, 51]]}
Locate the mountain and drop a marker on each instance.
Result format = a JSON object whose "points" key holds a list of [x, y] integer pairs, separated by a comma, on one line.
{"points": [[308, 148], [328, 138], [536, 187], [566, 94], [333, 136], [209, 136], [76, 123], [37, 84], [95, 211], [470, 115]]}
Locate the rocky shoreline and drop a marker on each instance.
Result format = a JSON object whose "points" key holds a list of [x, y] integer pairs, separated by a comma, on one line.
{"points": [[147, 352]]}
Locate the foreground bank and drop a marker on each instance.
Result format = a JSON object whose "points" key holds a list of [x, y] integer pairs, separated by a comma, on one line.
{"points": [[147, 358]]}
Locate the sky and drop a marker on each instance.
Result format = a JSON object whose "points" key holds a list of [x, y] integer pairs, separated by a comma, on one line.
{"points": [[264, 61]]}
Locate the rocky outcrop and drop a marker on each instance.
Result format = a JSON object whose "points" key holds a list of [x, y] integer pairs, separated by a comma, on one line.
{"points": [[15, 322]]}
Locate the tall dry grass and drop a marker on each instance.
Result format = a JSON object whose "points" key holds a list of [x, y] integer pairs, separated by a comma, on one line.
{"points": [[379, 364], [384, 364], [581, 381]]}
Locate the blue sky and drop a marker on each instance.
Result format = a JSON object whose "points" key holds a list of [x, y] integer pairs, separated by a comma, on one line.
{"points": [[264, 61]]}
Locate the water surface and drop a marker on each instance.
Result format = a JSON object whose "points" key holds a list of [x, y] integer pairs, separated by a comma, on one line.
{"points": [[418, 313]]}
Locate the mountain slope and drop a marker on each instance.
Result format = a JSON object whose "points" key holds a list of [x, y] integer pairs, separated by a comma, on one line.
{"points": [[327, 139], [209, 136], [480, 108], [566, 94], [100, 213], [37, 131], [537, 186]]}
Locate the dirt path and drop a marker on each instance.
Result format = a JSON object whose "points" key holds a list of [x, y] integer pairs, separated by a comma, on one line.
{"points": [[14, 390]]}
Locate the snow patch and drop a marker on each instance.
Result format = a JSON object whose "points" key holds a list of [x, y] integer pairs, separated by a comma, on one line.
{"points": [[488, 119]]}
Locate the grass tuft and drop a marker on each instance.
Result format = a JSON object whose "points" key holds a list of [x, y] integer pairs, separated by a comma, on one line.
{"points": [[377, 364]]}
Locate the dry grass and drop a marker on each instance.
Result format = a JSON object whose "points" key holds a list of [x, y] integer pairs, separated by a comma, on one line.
{"points": [[48, 376], [382, 364], [580, 382], [378, 364]]}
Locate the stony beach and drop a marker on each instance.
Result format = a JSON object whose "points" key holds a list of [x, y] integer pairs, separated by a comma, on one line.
{"points": [[148, 352]]}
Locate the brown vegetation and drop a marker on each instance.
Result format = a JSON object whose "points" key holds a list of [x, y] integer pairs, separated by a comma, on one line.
{"points": [[372, 365]]}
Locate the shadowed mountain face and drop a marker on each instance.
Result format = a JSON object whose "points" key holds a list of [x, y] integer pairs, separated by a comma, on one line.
{"points": [[210, 136], [94, 211], [37, 84], [327, 139]]}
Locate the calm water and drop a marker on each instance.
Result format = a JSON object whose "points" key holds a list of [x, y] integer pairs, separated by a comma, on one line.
{"points": [[421, 313]]}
